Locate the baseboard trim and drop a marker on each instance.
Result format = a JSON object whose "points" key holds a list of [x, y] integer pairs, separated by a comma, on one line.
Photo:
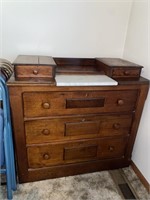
{"points": [[140, 176]]}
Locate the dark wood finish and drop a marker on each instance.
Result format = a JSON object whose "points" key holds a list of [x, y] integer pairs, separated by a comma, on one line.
{"points": [[34, 68], [61, 131], [70, 152], [69, 128], [34, 60], [80, 153], [77, 66], [75, 168], [74, 61], [40, 104], [119, 68], [85, 103], [30, 72], [128, 72]]}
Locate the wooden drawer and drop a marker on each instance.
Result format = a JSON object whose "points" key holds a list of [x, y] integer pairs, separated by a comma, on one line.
{"points": [[126, 72], [73, 152], [119, 68], [42, 131], [35, 68], [34, 72], [43, 104]]}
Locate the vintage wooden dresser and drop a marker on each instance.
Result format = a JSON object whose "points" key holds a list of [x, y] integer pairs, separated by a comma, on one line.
{"points": [[68, 130]]}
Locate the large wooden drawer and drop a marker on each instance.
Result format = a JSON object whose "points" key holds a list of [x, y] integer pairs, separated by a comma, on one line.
{"points": [[43, 104], [73, 152], [67, 128]]}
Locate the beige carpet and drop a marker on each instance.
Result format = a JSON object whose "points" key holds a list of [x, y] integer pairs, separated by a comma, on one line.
{"points": [[93, 186]]}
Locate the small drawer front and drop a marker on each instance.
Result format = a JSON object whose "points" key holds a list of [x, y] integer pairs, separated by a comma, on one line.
{"points": [[27, 72], [114, 148], [43, 156], [54, 154], [126, 72], [40, 104], [43, 131], [115, 126]]}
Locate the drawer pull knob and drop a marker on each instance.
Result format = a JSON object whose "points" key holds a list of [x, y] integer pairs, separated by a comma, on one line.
{"points": [[120, 102], [116, 126], [35, 72], [46, 132], [126, 73], [46, 156], [46, 105], [111, 148]]}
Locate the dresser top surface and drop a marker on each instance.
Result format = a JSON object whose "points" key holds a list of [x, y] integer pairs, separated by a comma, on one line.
{"points": [[77, 66], [118, 62], [34, 60]]}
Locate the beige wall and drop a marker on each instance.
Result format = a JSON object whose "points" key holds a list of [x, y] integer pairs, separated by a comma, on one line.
{"points": [[67, 28], [136, 49]]}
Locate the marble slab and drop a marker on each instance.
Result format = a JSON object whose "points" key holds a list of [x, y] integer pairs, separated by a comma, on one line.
{"points": [[84, 80]]}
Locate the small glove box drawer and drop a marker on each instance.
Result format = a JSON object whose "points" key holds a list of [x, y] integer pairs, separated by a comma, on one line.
{"points": [[34, 68], [119, 68]]}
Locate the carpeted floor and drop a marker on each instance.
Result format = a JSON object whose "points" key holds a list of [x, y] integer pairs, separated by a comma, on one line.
{"points": [[103, 185]]}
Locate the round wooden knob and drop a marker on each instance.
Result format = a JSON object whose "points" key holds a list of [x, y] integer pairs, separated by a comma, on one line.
{"points": [[111, 148], [126, 73], [46, 132], [35, 71], [46, 156], [46, 105], [120, 102], [116, 126]]}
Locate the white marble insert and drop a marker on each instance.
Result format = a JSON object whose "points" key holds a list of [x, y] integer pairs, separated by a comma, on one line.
{"points": [[84, 80]]}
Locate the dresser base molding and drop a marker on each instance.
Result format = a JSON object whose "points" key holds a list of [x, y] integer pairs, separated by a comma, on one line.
{"points": [[140, 176], [72, 169]]}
